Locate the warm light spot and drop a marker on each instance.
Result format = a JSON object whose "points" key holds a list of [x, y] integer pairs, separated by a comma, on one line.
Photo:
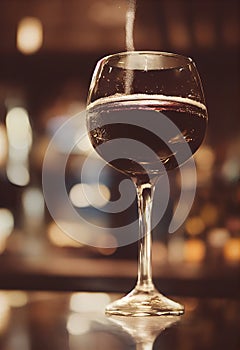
{"points": [[84, 145], [78, 195], [19, 130], [77, 324], [107, 251], [106, 14], [19, 134], [204, 177], [3, 145], [76, 106], [101, 195], [6, 227], [89, 302], [231, 168], [17, 298], [204, 32], [159, 252], [4, 312], [194, 250], [6, 223], [187, 174], [33, 202], [84, 195], [231, 250], [190, 304], [18, 174], [194, 225], [29, 35], [3, 244], [60, 238], [209, 214], [205, 158], [217, 237], [179, 34], [176, 249], [106, 244]]}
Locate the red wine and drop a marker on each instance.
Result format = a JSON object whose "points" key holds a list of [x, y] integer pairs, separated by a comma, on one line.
{"points": [[163, 124]]}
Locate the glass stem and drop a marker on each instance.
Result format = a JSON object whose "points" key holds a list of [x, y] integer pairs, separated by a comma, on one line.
{"points": [[145, 197], [144, 346]]}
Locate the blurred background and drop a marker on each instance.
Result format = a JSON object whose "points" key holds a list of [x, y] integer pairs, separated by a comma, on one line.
{"points": [[48, 50], [48, 53]]}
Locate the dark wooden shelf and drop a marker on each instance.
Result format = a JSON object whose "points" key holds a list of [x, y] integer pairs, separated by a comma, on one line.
{"points": [[65, 273]]}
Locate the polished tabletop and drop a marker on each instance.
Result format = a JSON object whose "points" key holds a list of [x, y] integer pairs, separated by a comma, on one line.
{"points": [[76, 321]]}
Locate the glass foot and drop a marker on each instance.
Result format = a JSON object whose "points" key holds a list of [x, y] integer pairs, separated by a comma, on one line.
{"points": [[141, 303]]}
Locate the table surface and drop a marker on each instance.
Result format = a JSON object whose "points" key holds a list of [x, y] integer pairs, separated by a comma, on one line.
{"points": [[76, 321]]}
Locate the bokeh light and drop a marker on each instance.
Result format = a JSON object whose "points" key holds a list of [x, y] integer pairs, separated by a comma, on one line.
{"points": [[84, 195], [231, 250], [89, 302], [77, 324], [3, 145], [29, 35], [176, 249], [33, 203], [194, 250], [209, 214], [17, 298], [19, 134], [6, 227], [18, 174], [4, 312], [19, 129], [59, 238], [194, 225], [217, 237]]}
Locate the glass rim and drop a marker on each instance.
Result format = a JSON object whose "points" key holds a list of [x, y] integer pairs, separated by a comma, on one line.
{"points": [[149, 52]]}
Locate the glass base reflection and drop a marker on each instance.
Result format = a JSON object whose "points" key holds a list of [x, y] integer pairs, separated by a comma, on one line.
{"points": [[144, 303]]}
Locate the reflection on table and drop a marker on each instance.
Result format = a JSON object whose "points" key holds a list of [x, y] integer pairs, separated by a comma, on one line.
{"points": [[76, 321]]}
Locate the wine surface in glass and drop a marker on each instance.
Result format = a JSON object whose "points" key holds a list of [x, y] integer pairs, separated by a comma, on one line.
{"points": [[143, 118]]}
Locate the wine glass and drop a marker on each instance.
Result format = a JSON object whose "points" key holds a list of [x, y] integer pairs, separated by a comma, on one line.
{"points": [[144, 330], [146, 115]]}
